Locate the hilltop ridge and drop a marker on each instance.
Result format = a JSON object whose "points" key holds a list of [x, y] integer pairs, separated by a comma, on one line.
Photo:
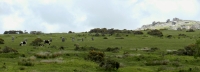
{"points": [[173, 24]]}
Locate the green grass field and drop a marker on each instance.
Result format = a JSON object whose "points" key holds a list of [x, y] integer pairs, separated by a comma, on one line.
{"points": [[70, 60]]}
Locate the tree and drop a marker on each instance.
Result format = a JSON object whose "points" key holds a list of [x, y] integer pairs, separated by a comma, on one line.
{"points": [[70, 32]]}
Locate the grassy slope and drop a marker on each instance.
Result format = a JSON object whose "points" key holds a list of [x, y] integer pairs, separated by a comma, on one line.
{"points": [[72, 62]]}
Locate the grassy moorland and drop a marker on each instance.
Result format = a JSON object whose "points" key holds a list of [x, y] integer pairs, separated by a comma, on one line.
{"points": [[133, 53]]}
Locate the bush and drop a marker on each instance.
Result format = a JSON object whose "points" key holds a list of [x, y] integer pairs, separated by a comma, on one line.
{"points": [[190, 30], [157, 62], [119, 38], [96, 56], [190, 49], [1, 41], [110, 65], [8, 50], [105, 38], [45, 55], [77, 48], [36, 42], [155, 33], [93, 48], [97, 34], [169, 36], [116, 49], [182, 35], [26, 62], [137, 32]]}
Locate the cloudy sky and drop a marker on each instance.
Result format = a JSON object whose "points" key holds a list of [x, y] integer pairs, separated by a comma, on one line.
{"points": [[83, 15]]}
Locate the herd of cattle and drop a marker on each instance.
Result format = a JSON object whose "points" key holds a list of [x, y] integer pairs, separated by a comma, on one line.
{"points": [[24, 42]]}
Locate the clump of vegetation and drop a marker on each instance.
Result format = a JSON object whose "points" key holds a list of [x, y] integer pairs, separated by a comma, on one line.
{"points": [[93, 48], [157, 62], [27, 61], [190, 30], [115, 49], [182, 35], [155, 33], [119, 38], [118, 35], [77, 48], [105, 37], [53, 46], [97, 34], [138, 32], [188, 50], [96, 56], [1, 41], [45, 55], [169, 36], [8, 50], [36, 42], [22, 68], [110, 65], [153, 49], [61, 47]]}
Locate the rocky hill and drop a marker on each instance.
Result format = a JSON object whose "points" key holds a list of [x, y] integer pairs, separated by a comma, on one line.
{"points": [[174, 24]]}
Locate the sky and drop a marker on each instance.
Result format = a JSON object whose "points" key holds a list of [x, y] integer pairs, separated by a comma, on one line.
{"points": [[52, 16]]}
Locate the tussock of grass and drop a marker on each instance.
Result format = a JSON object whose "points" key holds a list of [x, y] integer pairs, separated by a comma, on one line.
{"points": [[48, 54]]}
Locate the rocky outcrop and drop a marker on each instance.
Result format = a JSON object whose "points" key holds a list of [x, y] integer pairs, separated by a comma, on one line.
{"points": [[175, 24]]}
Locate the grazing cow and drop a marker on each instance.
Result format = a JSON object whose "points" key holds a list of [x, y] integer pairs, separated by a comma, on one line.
{"points": [[23, 43], [47, 42]]}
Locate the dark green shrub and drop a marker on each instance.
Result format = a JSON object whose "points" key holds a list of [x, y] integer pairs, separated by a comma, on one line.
{"points": [[110, 65], [105, 38], [97, 34], [93, 48], [1, 41], [138, 32], [26, 62], [36, 42], [190, 30], [53, 46], [182, 35], [115, 49], [169, 36], [190, 49], [96, 56], [153, 49], [8, 50], [119, 38], [77, 48], [157, 62], [155, 33], [22, 68], [176, 64]]}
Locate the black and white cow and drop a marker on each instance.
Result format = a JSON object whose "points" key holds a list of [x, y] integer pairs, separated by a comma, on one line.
{"points": [[23, 43], [47, 42]]}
